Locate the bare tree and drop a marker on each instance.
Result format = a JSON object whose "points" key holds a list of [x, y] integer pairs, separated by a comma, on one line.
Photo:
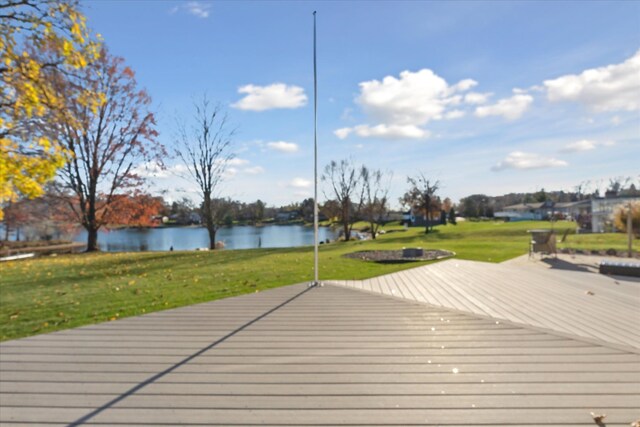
{"points": [[582, 189], [345, 180], [618, 183], [376, 191], [421, 196], [104, 141], [205, 150], [330, 209]]}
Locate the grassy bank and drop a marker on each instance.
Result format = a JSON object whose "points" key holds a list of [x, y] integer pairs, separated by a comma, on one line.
{"points": [[51, 293]]}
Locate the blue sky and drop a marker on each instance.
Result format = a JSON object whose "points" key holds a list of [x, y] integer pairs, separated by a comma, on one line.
{"points": [[487, 97]]}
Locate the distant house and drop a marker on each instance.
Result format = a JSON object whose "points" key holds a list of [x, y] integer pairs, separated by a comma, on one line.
{"points": [[407, 218], [411, 219], [572, 210], [595, 214], [545, 210], [195, 218], [602, 212], [282, 216], [526, 211], [287, 216]]}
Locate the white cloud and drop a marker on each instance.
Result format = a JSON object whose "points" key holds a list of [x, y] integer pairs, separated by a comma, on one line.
{"points": [[347, 114], [195, 8], [454, 114], [582, 145], [277, 95], [509, 108], [153, 170], [384, 131], [402, 106], [229, 172], [585, 145], [477, 98], [520, 160], [464, 85], [342, 133], [236, 161], [611, 88], [413, 99], [254, 170], [300, 183], [283, 146]]}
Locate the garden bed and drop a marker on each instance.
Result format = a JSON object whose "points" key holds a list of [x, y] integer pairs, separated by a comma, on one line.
{"points": [[620, 253], [395, 256]]}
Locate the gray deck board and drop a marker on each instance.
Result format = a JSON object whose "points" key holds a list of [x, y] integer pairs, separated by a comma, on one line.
{"points": [[345, 389], [583, 304], [434, 401], [360, 416], [329, 356]]}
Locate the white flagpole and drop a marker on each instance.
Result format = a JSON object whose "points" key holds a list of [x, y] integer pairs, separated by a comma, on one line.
{"points": [[315, 156]]}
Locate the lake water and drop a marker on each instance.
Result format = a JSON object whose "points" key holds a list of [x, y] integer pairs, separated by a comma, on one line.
{"points": [[189, 238]]}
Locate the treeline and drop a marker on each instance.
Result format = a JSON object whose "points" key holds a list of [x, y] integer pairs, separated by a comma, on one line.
{"points": [[186, 212]]}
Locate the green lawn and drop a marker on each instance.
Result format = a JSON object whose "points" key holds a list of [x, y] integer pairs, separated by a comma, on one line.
{"points": [[51, 293]]}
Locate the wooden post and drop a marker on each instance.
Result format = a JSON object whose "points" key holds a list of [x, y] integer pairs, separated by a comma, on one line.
{"points": [[630, 231]]}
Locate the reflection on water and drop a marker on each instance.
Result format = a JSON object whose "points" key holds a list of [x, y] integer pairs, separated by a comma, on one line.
{"points": [[188, 238]]}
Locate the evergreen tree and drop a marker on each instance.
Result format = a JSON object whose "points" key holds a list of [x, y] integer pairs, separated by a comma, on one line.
{"points": [[452, 216]]}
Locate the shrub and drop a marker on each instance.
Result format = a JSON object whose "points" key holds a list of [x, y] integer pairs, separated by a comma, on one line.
{"points": [[620, 217]]}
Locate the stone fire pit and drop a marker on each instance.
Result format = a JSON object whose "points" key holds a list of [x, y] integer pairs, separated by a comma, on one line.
{"points": [[401, 255]]}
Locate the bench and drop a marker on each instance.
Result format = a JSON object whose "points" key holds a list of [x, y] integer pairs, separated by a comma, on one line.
{"points": [[620, 268]]}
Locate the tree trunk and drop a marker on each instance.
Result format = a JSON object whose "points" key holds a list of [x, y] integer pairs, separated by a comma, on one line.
{"points": [[209, 223], [346, 220], [372, 227], [92, 238], [426, 223], [212, 237], [427, 210], [91, 223]]}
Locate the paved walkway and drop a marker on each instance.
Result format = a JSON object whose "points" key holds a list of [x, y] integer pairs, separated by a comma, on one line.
{"points": [[301, 356], [562, 295]]}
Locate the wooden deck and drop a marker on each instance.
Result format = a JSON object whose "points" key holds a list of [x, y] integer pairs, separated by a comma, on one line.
{"points": [[557, 295], [314, 356]]}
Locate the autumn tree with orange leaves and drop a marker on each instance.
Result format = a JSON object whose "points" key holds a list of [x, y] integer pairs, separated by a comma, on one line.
{"points": [[135, 210], [37, 36], [104, 141]]}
